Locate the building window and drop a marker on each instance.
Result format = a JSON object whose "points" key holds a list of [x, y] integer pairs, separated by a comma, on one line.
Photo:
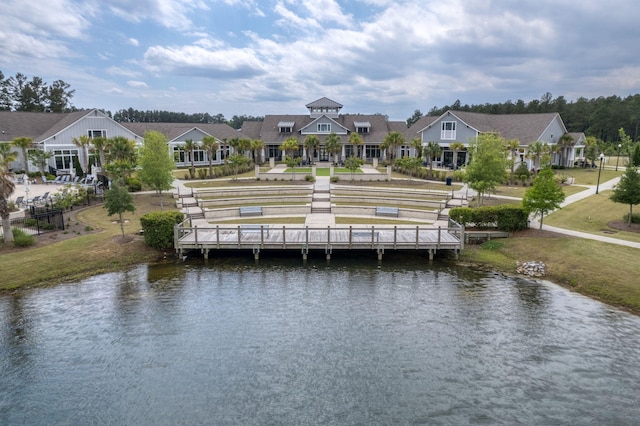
{"points": [[285, 129], [273, 151], [448, 130], [324, 127], [362, 130], [97, 133], [178, 155], [64, 158], [372, 151]]}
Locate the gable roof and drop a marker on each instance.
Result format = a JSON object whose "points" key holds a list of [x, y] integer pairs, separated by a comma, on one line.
{"points": [[526, 128], [324, 102], [35, 125], [323, 118], [175, 130]]}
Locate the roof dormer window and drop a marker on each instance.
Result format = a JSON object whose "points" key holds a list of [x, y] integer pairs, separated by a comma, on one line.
{"points": [[286, 126], [362, 126], [324, 127]]}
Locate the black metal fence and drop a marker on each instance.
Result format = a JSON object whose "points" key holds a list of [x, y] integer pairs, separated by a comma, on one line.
{"points": [[39, 220]]}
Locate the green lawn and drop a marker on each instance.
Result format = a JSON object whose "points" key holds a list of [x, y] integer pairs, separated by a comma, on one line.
{"points": [[592, 215]]}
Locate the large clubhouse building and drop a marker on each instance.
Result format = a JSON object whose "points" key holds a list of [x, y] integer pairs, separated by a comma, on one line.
{"points": [[55, 133]]}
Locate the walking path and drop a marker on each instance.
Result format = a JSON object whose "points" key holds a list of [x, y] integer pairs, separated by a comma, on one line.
{"points": [[588, 192]]}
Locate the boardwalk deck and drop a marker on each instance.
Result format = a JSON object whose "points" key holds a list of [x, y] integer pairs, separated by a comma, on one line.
{"points": [[274, 237]]}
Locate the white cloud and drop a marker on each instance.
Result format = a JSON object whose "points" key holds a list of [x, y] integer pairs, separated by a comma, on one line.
{"points": [[168, 13], [134, 42], [123, 72], [197, 61], [137, 84]]}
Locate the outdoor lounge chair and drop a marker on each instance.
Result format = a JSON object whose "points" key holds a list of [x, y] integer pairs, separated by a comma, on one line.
{"points": [[58, 179], [19, 201], [34, 201], [45, 180]]}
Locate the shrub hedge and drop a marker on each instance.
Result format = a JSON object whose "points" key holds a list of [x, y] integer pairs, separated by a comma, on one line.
{"points": [[506, 217], [158, 228]]}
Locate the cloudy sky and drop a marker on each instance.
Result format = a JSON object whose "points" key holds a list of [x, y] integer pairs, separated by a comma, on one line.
{"points": [[261, 57]]}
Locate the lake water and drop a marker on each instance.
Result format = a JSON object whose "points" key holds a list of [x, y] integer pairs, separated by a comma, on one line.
{"points": [[229, 342]]}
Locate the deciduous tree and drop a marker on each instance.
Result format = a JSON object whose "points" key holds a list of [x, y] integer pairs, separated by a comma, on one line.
{"points": [[117, 200], [628, 190], [488, 166], [544, 196], [156, 165]]}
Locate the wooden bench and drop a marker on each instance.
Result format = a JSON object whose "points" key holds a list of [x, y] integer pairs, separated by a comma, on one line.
{"points": [[255, 229], [366, 234], [251, 211], [387, 211]]}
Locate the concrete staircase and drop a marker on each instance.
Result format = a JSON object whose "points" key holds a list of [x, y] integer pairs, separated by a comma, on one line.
{"points": [[321, 199]]}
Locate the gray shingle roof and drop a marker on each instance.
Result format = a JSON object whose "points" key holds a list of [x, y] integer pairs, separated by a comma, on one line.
{"points": [[173, 130], [35, 125], [269, 131], [527, 128], [324, 102]]}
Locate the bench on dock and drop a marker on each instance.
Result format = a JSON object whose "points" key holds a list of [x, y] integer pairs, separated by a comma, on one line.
{"points": [[387, 211], [366, 234], [251, 211], [255, 229]]}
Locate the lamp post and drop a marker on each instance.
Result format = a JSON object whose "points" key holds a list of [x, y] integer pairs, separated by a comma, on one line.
{"points": [[599, 171], [618, 159]]}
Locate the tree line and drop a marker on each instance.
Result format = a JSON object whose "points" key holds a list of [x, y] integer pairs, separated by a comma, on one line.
{"points": [[132, 115], [19, 93], [600, 117]]}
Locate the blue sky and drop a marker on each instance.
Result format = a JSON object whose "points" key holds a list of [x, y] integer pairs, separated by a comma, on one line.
{"points": [[260, 57]]}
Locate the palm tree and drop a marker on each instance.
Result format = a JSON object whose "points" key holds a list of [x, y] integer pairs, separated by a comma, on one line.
{"points": [[536, 150], [190, 146], [101, 145], [432, 150], [121, 149], [512, 146], [211, 145], [290, 146], [6, 188], [456, 147], [565, 142], [416, 144], [356, 140], [333, 146], [391, 143], [311, 142], [256, 146], [23, 143], [83, 142]]}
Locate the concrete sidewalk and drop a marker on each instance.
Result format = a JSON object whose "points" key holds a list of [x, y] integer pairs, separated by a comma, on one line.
{"points": [[588, 192]]}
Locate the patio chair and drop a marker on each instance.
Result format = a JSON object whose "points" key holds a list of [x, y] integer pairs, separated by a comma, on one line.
{"points": [[19, 201], [45, 180], [75, 180], [58, 179], [33, 201]]}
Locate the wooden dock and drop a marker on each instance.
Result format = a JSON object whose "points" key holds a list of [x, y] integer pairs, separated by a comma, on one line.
{"points": [[253, 237]]}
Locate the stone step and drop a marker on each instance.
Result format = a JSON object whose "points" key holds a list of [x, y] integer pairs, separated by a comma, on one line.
{"points": [[320, 209]]}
